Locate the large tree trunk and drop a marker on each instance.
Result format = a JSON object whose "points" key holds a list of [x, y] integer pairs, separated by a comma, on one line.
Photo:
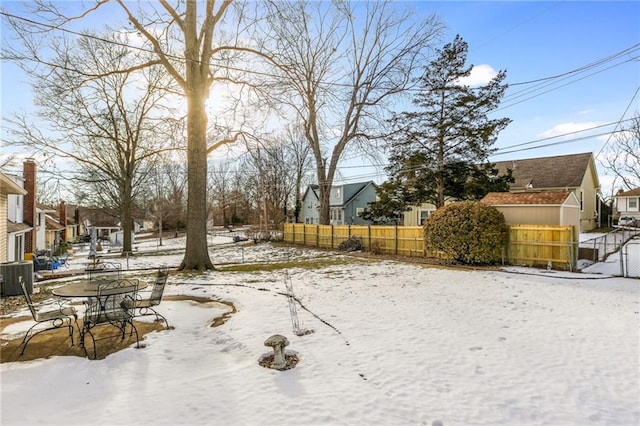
{"points": [[196, 256]]}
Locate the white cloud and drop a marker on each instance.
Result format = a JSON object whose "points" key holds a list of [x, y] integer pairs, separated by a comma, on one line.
{"points": [[570, 127], [480, 74]]}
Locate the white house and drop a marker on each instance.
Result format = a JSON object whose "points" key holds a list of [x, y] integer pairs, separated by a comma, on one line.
{"points": [[627, 203], [12, 228]]}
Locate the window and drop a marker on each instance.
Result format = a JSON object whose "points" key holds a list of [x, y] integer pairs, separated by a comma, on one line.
{"points": [[581, 201], [336, 216], [632, 204], [337, 193], [424, 214], [359, 211]]}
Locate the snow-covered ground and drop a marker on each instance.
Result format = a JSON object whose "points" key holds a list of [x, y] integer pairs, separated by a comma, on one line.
{"points": [[392, 344]]}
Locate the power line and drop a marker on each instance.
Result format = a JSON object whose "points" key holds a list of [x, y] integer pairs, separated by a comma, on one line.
{"points": [[620, 121], [582, 68], [266, 74]]}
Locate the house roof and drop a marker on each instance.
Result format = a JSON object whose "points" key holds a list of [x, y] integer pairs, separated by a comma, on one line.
{"points": [[52, 225], [352, 190], [631, 193], [313, 188], [528, 197], [9, 186], [45, 209], [13, 227], [562, 171]]}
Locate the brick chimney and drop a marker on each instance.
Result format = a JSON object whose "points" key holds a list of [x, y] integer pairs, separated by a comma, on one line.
{"points": [[62, 212], [29, 206]]}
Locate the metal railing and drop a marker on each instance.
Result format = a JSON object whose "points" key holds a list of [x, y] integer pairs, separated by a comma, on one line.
{"points": [[599, 248]]}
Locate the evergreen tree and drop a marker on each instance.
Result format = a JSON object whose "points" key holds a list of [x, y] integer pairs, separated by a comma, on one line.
{"points": [[439, 150]]}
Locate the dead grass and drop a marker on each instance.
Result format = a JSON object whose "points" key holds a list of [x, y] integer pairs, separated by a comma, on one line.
{"points": [[57, 342]]}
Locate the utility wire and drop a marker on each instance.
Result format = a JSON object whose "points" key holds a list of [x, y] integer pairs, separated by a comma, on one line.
{"points": [[335, 84], [582, 68], [620, 121]]}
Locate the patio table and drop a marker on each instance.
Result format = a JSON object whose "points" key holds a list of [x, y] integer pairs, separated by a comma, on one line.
{"points": [[104, 304], [90, 289]]}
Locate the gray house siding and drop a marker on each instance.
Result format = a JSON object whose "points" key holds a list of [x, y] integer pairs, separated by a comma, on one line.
{"points": [[344, 203], [359, 200]]}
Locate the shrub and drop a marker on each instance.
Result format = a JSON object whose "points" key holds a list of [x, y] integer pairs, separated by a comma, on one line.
{"points": [[376, 247], [469, 232], [352, 243]]}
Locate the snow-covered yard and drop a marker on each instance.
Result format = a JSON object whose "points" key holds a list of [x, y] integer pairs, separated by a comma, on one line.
{"points": [[392, 344]]}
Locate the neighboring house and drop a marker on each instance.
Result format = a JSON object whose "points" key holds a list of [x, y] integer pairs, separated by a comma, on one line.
{"points": [[71, 231], [537, 207], [575, 172], [104, 224], [627, 203], [43, 228], [347, 203], [418, 214], [54, 231], [12, 231]]}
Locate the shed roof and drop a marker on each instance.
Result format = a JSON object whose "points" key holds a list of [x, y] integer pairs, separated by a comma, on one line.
{"points": [[562, 171], [529, 197]]}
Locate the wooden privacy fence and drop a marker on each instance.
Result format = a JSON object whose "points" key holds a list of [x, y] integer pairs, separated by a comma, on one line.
{"points": [[537, 245], [532, 245], [401, 240]]}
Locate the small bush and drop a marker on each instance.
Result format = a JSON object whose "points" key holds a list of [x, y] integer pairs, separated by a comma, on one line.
{"points": [[352, 243], [376, 247], [469, 232]]}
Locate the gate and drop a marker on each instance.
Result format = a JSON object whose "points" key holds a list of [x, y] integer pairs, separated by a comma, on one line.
{"points": [[630, 259]]}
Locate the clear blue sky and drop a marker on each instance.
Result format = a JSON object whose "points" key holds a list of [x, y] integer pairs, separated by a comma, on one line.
{"points": [[534, 40], [531, 41]]}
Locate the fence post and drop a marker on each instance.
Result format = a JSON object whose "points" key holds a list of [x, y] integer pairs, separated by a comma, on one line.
{"points": [[395, 248], [332, 232]]}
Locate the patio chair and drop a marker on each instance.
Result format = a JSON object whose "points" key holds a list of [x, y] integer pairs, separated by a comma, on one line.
{"points": [[99, 269], [145, 306], [109, 308], [43, 264], [54, 319]]}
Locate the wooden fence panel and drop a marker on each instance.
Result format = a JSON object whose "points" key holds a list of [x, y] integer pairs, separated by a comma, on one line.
{"points": [[340, 233], [383, 239], [324, 236], [363, 232], [533, 245], [410, 241], [310, 235], [537, 245]]}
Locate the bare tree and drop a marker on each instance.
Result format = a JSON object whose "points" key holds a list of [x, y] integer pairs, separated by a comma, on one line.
{"points": [[622, 156], [340, 65], [276, 168], [195, 45], [108, 129], [300, 162], [220, 188]]}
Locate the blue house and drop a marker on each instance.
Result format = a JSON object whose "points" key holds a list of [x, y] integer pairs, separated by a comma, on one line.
{"points": [[347, 203]]}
